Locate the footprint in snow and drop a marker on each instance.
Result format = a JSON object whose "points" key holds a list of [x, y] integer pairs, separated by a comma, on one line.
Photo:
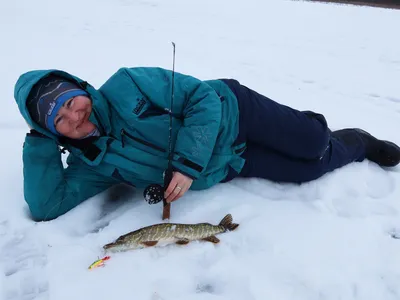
{"points": [[24, 263], [373, 95], [205, 288], [393, 99], [308, 81], [395, 233], [99, 226]]}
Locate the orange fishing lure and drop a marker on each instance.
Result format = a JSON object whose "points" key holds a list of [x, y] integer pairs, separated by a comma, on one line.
{"points": [[99, 263]]}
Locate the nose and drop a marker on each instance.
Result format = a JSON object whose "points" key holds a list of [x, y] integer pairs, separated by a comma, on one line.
{"points": [[73, 116]]}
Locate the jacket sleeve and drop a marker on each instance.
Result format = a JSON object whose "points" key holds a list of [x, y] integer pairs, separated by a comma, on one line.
{"points": [[49, 189], [197, 104], [201, 121]]}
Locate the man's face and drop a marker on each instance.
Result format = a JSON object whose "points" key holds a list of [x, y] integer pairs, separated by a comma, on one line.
{"points": [[72, 119]]}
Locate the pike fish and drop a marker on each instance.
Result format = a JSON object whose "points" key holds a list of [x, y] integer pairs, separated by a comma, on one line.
{"points": [[169, 233]]}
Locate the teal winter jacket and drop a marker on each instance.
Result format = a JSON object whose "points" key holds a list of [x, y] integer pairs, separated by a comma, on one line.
{"points": [[131, 109]]}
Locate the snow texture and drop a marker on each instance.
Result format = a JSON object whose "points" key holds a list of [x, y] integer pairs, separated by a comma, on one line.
{"points": [[327, 239]]}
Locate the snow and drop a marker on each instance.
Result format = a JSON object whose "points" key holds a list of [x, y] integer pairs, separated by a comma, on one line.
{"points": [[327, 239]]}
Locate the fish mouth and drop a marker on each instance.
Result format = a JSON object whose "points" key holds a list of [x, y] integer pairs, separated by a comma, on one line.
{"points": [[114, 247], [108, 246]]}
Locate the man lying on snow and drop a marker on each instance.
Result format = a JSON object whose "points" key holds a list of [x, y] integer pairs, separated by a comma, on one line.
{"points": [[120, 134]]}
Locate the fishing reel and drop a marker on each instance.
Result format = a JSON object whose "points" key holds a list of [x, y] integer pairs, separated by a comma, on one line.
{"points": [[153, 194]]}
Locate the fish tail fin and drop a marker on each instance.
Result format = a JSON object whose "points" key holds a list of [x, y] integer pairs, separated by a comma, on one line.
{"points": [[226, 222]]}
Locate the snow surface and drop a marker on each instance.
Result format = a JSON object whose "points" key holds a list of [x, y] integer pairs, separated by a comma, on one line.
{"points": [[327, 239]]}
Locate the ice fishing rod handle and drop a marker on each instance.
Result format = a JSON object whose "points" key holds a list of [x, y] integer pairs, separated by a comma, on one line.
{"points": [[167, 206]]}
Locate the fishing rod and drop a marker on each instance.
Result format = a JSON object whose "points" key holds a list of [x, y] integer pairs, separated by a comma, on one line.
{"points": [[154, 193], [168, 172]]}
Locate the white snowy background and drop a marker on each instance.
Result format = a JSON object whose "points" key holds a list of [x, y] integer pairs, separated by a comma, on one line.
{"points": [[327, 239]]}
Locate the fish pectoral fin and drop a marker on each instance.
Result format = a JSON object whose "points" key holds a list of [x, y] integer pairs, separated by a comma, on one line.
{"points": [[149, 243], [212, 239], [182, 241]]}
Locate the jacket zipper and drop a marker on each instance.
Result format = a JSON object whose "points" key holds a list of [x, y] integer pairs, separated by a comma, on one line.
{"points": [[123, 133]]}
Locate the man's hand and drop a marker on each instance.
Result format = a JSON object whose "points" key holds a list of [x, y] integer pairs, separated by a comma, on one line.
{"points": [[177, 187]]}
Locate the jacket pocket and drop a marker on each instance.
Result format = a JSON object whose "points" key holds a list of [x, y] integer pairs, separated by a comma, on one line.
{"points": [[143, 142]]}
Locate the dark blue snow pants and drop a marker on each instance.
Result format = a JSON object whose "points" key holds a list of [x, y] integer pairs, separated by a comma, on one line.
{"points": [[285, 144]]}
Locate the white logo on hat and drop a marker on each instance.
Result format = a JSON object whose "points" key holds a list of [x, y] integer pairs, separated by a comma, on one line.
{"points": [[52, 105]]}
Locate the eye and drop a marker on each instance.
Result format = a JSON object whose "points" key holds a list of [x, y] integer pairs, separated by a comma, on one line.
{"points": [[70, 103], [58, 120]]}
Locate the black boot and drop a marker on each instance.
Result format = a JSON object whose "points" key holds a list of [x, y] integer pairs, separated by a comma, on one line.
{"points": [[384, 153]]}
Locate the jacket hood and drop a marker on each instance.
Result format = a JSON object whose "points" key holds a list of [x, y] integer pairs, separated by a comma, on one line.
{"points": [[26, 82]]}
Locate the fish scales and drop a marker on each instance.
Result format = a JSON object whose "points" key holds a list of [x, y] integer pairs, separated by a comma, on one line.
{"points": [[157, 234]]}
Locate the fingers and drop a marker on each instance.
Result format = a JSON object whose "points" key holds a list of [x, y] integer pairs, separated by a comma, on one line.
{"points": [[178, 186], [177, 191], [171, 187], [181, 190], [176, 194]]}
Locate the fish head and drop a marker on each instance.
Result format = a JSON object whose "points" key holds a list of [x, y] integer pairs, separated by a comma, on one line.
{"points": [[114, 247], [123, 243]]}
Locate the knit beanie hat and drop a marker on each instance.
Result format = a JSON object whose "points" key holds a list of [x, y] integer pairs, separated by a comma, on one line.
{"points": [[47, 97]]}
